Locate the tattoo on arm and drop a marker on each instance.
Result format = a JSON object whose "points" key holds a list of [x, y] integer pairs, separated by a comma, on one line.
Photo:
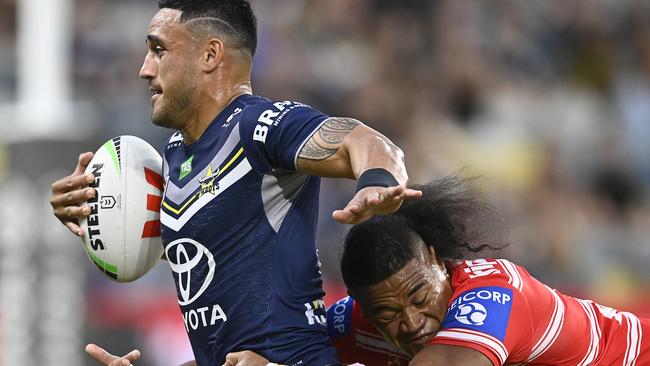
{"points": [[326, 141]]}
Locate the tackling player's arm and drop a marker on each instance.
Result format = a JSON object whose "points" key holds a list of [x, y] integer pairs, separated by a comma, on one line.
{"points": [[346, 148], [438, 354]]}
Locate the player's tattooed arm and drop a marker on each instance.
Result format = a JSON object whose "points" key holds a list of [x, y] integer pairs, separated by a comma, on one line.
{"points": [[346, 148], [327, 140]]}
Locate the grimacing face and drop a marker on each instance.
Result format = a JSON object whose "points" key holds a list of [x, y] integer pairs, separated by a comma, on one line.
{"points": [[171, 70], [408, 308]]}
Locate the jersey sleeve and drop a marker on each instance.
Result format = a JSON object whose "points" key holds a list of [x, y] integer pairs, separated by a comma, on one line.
{"points": [[339, 328], [492, 319], [357, 340], [273, 134]]}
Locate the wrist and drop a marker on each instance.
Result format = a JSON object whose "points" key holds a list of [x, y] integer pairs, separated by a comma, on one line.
{"points": [[376, 177]]}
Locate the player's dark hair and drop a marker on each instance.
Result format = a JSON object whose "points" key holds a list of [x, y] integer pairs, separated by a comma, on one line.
{"points": [[456, 221], [233, 19]]}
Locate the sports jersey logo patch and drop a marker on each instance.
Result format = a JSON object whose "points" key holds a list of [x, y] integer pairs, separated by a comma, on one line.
{"points": [[339, 317], [190, 260], [186, 168], [471, 313], [484, 309]]}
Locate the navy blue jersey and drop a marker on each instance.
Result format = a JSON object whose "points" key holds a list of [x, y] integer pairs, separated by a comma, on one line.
{"points": [[238, 225]]}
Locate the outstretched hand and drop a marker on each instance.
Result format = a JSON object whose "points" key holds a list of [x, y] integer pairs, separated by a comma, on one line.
{"points": [[372, 201], [107, 359]]}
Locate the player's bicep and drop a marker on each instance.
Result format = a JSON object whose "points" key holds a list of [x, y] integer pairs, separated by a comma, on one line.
{"points": [[438, 354], [325, 153]]}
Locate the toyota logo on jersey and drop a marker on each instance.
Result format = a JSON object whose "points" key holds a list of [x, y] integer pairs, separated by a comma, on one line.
{"points": [[188, 260], [471, 313]]}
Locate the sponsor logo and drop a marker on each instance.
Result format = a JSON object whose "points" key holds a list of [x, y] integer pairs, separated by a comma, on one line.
{"points": [[175, 141], [186, 168], [271, 117], [483, 293], [234, 113], [203, 317], [315, 312], [484, 309], [481, 267], [471, 313], [189, 259], [339, 316], [93, 220]]}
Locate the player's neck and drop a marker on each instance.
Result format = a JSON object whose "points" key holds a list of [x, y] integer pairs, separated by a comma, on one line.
{"points": [[210, 105]]}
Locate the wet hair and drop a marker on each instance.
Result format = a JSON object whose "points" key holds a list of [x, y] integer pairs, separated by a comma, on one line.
{"points": [[231, 19], [456, 221]]}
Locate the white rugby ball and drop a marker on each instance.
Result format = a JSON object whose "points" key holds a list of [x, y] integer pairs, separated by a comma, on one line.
{"points": [[122, 233]]}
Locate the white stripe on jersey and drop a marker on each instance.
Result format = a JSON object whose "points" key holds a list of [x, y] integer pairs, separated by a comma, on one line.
{"points": [[477, 337], [513, 274], [594, 342], [229, 179], [634, 336], [552, 330]]}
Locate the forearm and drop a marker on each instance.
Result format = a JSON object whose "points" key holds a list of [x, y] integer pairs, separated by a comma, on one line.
{"points": [[368, 149], [345, 148]]}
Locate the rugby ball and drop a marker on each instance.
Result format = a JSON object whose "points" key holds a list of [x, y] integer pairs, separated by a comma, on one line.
{"points": [[122, 233]]}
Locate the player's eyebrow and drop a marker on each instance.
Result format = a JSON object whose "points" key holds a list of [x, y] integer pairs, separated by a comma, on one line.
{"points": [[416, 288], [153, 39]]}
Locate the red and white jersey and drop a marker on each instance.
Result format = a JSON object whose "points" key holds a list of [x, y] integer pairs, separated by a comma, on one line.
{"points": [[500, 310], [357, 340]]}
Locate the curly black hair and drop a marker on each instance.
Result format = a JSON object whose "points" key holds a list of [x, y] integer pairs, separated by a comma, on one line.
{"points": [[233, 19], [453, 219]]}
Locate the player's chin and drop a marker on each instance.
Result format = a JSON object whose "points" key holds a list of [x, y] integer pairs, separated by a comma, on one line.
{"points": [[159, 119]]}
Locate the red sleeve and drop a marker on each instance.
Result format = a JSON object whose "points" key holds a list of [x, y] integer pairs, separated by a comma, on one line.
{"points": [[357, 340], [488, 313]]}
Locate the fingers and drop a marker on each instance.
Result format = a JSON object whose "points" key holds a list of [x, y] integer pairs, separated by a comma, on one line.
{"points": [[75, 197], [72, 213], [68, 194], [232, 359], [133, 355], [103, 357], [99, 354], [74, 228], [71, 183], [374, 201], [82, 163], [126, 359]]}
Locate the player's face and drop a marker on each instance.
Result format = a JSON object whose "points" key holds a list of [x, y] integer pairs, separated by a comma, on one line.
{"points": [[409, 307], [171, 70]]}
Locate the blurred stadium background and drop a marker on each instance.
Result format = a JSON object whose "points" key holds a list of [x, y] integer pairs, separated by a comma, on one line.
{"points": [[548, 100]]}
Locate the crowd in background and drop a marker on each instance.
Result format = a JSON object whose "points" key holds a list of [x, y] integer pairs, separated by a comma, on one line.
{"points": [[547, 101]]}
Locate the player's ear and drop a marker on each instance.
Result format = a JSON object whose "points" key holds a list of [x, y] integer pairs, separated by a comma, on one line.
{"points": [[213, 54]]}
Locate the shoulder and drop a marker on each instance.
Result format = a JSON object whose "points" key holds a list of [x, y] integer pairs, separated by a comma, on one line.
{"points": [[481, 272], [272, 113]]}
